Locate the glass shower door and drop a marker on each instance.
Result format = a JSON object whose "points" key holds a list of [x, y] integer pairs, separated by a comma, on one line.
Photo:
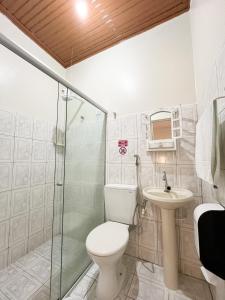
{"points": [[82, 198]]}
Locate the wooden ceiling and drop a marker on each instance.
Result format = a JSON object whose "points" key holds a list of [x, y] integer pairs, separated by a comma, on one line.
{"points": [[57, 28]]}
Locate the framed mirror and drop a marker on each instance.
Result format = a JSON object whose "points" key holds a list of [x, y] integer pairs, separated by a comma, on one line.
{"points": [[161, 125], [163, 129]]}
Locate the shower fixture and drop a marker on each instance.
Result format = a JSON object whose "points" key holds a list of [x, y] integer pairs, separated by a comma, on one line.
{"points": [[67, 95]]}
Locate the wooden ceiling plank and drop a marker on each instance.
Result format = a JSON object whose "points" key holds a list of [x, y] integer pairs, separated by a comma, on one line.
{"points": [[93, 34], [53, 24], [57, 17], [44, 15], [113, 42], [57, 28], [17, 5], [26, 31], [146, 23], [7, 3], [85, 30], [29, 11]]}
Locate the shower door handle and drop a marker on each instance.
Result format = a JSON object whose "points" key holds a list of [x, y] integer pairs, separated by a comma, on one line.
{"points": [[59, 184]]}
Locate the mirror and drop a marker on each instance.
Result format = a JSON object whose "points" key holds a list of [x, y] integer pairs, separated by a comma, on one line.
{"points": [[161, 125]]}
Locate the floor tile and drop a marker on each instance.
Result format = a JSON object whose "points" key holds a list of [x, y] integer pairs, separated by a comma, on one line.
{"points": [[27, 260], [144, 289], [192, 287], [8, 273], [20, 287], [42, 294], [83, 287], [3, 297], [150, 272], [40, 270], [130, 263]]}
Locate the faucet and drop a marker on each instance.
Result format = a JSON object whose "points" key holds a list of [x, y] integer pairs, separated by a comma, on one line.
{"points": [[167, 187]]}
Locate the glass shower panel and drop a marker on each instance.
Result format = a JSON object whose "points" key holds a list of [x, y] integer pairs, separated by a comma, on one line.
{"points": [[84, 184], [59, 141], [80, 192]]}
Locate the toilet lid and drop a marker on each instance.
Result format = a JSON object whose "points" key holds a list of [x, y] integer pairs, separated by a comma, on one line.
{"points": [[107, 238]]}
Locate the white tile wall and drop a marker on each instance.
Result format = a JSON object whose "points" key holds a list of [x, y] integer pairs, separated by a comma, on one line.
{"points": [[4, 235], [37, 196], [5, 203], [20, 202], [7, 123], [23, 150], [5, 176], [21, 175], [17, 251], [27, 163], [36, 221], [6, 146], [3, 261], [180, 170], [40, 130], [18, 229], [24, 126], [39, 151]]}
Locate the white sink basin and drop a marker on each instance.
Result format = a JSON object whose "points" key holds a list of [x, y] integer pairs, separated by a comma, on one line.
{"points": [[176, 198]]}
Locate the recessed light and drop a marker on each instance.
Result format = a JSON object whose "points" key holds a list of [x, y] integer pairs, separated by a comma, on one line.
{"points": [[81, 9]]}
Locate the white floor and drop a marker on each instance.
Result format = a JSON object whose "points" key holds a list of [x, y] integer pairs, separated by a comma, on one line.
{"points": [[28, 279], [143, 284]]}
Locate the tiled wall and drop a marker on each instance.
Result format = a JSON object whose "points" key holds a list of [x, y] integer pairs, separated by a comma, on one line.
{"points": [[209, 193], [215, 88], [27, 163], [180, 170]]}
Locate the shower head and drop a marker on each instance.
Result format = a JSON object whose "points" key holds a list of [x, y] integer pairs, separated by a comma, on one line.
{"points": [[68, 96]]}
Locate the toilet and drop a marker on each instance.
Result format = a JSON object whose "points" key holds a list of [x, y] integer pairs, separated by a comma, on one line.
{"points": [[107, 242], [210, 277]]}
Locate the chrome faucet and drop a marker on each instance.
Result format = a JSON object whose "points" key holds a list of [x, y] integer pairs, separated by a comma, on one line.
{"points": [[167, 188]]}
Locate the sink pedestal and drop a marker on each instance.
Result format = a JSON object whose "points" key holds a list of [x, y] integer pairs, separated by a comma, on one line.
{"points": [[168, 203], [170, 250]]}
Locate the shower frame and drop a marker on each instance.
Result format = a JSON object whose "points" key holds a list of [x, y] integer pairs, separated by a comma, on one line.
{"points": [[19, 51], [45, 69]]}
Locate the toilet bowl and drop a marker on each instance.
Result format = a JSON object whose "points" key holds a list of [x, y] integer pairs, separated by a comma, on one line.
{"points": [[107, 242], [105, 245]]}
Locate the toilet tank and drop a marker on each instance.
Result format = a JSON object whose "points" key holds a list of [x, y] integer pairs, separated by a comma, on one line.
{"points": [[120, 203]]}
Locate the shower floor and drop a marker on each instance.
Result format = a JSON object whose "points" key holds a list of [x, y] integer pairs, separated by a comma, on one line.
{"points": [[28, 277], [143, 283]]}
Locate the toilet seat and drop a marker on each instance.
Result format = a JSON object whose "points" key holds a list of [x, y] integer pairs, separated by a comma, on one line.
{"points": [[107, 239]]}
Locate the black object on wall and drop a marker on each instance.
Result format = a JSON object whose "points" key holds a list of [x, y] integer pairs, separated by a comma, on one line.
{"points": [[211, 227]]}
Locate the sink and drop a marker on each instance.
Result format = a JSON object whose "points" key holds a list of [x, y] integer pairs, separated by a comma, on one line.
{"points": [[176, 198], [168, 203]]}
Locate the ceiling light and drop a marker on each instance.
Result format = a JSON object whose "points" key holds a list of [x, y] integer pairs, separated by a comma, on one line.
{"points": [[81, 9]]}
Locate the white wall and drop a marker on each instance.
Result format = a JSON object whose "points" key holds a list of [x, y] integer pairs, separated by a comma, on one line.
{"points": [[16, 35], [25, 89], [151, 70], [208, 38]]}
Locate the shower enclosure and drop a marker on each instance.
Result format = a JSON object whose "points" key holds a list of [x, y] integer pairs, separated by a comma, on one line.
{"points": [[79, 183], [58, 175]]}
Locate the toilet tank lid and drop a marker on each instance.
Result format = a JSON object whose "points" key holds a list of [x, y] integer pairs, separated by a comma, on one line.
{"points": [[121, 187]]}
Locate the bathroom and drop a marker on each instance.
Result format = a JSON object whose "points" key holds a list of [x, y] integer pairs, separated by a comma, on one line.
{"points": [[112, 136]]}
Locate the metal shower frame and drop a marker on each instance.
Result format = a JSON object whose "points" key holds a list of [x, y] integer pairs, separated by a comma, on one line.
{"points": [[45, 69]]}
